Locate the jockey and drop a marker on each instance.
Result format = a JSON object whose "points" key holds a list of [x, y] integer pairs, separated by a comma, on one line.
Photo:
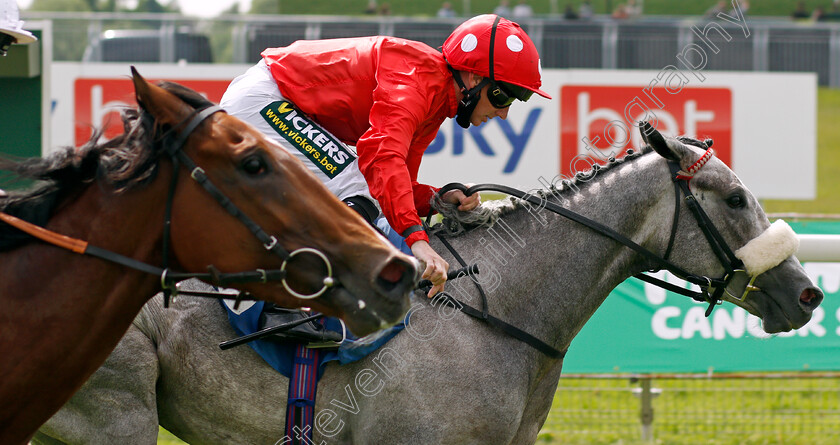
{"points": [[11, 27], [360, 112]]}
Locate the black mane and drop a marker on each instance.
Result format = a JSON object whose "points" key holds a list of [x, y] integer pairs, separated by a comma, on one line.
{"points": [[122, 163]]}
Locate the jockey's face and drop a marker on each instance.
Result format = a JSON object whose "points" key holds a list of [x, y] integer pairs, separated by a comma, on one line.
{"points": [[485, 111]]}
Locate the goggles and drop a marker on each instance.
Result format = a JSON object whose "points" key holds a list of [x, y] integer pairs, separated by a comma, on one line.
{"points": [[502, 94]]}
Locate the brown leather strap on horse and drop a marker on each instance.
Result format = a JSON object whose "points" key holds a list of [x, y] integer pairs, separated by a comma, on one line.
{"points": [[63, 241], [168, 278]]}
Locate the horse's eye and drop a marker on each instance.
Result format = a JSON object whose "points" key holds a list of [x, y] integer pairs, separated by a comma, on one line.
{"points": [[254, 165], [736, 201]]}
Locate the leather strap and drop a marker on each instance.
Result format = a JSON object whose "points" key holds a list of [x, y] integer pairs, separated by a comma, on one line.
{"points": [[491, 320], [506, 327], [412, 229], [719, 246], [66, 242]]}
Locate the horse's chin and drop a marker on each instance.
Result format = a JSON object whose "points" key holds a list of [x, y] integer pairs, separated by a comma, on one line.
{"points": [[783, 323], [773, 318], [361, 318], [776, 325]]}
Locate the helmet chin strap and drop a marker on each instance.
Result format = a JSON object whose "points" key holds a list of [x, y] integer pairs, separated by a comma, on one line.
{"points": [[470, 100], [473, 95]]}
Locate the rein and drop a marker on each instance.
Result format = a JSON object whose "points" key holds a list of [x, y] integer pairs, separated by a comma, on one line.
{"points": [[711, 289], [424, 285], [173, 146]]}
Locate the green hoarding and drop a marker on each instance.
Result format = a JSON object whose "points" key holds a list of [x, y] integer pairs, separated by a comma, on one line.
{"points": [[21, 89], [643, 329], [22, 99]]}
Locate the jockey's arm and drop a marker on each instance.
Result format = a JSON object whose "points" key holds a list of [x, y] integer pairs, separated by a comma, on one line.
{"points": [[389, 157]]}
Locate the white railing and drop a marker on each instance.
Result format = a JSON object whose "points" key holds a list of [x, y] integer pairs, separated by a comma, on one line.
{"points": [[819, 248]]}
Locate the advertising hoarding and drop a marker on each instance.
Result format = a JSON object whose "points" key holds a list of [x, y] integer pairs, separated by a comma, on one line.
{"points": [[641, 328], [763, 124]]}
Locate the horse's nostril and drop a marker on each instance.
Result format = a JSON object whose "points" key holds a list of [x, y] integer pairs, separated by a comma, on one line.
{"points": [[392, 272], [810, 298], [391, 275]]}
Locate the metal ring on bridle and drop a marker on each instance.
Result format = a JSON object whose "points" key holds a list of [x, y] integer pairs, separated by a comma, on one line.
{"points": [[329, 281], [750, 287], [709, 285]]}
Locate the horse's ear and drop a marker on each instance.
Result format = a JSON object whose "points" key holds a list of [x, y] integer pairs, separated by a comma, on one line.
{"points": [[163, 105], [657, 141]]}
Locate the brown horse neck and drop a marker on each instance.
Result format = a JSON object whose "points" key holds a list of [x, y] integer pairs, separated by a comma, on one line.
{"points": [[70, 310]]}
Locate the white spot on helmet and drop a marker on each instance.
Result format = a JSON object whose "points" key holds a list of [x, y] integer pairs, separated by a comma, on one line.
{"points": [[469, 43], [514, 43]]}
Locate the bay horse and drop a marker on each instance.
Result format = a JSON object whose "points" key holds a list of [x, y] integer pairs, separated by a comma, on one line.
{"points": [[450, 378], [243, 206]]}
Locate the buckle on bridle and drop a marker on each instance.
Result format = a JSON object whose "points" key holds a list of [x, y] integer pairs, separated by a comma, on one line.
{"points": [[708, 292], [198, 174], [272, 242]]}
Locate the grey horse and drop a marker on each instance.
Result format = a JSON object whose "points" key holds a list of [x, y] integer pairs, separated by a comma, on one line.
{"points": [[449, 378]]}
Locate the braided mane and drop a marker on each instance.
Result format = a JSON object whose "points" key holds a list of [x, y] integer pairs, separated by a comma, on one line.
{"points": [[456, 222]]}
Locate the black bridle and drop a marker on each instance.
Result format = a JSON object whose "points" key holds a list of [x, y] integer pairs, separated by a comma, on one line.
{"points": [[711, 289], [173, 144]]}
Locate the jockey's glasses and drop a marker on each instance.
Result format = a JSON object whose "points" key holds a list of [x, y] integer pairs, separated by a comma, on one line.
{"points": [[502, 94]]}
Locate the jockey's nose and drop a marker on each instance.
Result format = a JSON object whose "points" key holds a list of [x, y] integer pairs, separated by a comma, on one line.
{"points": [[502, 112]]}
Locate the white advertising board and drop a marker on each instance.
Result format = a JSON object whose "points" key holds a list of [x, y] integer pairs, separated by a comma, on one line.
{"points": [[762, 124]]}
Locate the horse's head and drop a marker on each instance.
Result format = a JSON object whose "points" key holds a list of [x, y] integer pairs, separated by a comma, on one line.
{"points": [[781, 294], [370, 280]]}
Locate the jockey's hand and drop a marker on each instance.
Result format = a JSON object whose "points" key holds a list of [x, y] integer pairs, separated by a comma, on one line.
{"points": [[467, 203], [435, 266]]}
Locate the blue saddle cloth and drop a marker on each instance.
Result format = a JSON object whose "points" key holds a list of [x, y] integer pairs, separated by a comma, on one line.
{"points": [[281, 355]]}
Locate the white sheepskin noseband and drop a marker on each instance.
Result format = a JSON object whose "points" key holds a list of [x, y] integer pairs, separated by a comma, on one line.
{"points": [[769, 249]]}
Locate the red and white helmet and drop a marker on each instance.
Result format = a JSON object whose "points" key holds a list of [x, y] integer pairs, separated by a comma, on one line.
{"points": [[514, 60]]}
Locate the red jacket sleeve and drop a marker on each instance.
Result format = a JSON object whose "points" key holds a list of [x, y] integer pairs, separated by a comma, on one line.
{"points": [[402, 124], [384, 161]]}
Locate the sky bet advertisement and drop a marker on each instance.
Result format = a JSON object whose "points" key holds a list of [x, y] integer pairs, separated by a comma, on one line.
{"points": [[763, 124]]}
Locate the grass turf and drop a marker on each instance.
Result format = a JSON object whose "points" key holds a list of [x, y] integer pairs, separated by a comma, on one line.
{"points": [[828, 161]]}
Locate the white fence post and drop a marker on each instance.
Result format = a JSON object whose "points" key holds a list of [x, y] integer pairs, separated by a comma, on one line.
{"points": [[646, 393]]}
